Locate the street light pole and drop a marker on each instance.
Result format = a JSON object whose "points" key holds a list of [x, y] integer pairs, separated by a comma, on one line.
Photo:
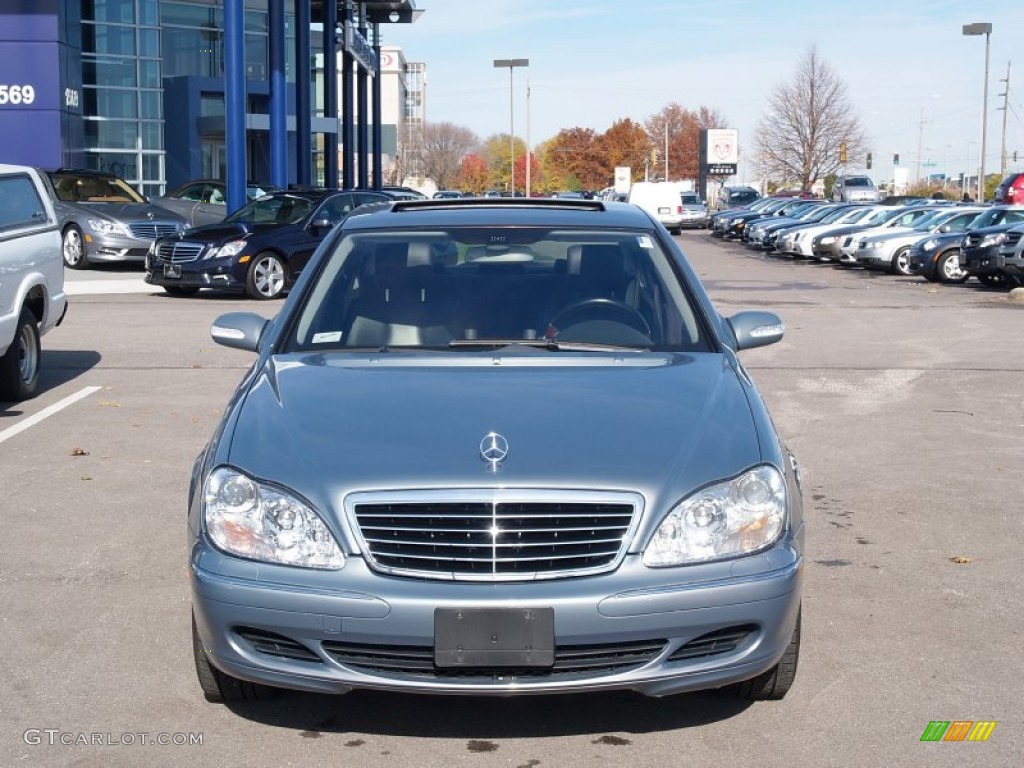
{"points": [[982, 28], [511, 64]]}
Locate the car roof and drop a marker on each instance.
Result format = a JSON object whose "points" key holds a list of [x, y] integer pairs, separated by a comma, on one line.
{"points": [[567, 212]]}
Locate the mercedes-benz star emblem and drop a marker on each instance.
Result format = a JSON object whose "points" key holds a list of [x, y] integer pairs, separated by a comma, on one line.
{"points": [[493, 449]]}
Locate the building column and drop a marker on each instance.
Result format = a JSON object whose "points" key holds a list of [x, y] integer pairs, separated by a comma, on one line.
{"points": [[378, 171], [278, 97], [331, 91], [348, 105], [234, 102], [303, 102], [363, 109]]}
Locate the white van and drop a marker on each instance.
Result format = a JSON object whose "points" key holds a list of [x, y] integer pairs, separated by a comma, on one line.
{"points": [[32, 299], [660, 199]]}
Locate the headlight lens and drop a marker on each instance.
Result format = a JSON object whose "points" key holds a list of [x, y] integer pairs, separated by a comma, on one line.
{"points": [[930, 244], [107, 227], [996, 239], [261, 522], [826, 240], [727, 520], [227, 250]]}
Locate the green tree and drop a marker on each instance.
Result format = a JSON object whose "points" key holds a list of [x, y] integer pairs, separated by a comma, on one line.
{"points": [[496, 151]]}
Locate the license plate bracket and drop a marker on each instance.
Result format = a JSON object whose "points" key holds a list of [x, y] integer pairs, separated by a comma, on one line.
{"points": [[494, 637], [172, 270]]}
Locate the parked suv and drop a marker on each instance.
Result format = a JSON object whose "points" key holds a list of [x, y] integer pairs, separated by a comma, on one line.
{"points": [[1011, 190], [855, 189], [735, 197], [32, 299], [980, 253]]}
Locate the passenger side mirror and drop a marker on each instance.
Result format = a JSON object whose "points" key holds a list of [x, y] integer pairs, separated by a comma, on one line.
{"points": [[239, 330], [321, 224], [756, 329]]}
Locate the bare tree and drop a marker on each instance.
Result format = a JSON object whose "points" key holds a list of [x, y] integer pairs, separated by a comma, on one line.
{"points": [[439, 149], [808, 120]]}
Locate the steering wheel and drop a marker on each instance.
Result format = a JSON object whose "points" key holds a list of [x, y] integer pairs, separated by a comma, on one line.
{"points": [[597, 310]]}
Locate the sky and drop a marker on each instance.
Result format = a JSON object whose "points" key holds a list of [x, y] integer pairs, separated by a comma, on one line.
{"points": [[913, 79]]}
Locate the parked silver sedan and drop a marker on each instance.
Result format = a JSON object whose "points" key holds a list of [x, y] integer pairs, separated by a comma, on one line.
{"points": [[204, 201], [496, 447], [102, 219]]}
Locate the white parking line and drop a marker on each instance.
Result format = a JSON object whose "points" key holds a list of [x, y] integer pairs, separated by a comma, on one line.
{"points": [[96, 287], [31, 421]]}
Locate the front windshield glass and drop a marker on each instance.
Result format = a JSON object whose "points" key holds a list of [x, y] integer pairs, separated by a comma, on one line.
{"points": [[467, 288], [276, 209], [87, 188]]}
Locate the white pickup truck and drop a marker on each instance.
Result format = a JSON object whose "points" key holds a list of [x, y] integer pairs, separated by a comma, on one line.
{"points": [[32, 299]]}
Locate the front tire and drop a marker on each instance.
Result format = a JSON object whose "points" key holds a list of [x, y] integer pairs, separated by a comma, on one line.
{"points": [[948, 268], [267, 277], [776, 682], [218, 687], [73, 248], [19, 367], [901, 262]]}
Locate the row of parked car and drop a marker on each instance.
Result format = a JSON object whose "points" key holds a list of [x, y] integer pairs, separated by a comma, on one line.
{"points": [[940, 240]]}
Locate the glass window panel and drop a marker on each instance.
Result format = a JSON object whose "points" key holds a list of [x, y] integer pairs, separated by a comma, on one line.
{"points": [[20, 205], [111, 134], [106, 102], [118, 11], [152, 104], [149, 42], [257, 57], [109, 71], [149, 74], [103, 38], [149, 12], [152, 167], [152, 135], [124, 165], [190, 15], [192, 52], [256, 21]]}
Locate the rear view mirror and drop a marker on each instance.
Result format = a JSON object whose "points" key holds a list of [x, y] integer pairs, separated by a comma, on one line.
{"points": [[756, 329]]}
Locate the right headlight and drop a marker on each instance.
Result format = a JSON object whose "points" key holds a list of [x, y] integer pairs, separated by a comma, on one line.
{"points": [[727, 520], [227, 250], [262, 522], [930, 244]]}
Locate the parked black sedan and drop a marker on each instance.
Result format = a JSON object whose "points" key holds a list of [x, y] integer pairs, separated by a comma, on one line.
{"points": [[260, 249]]}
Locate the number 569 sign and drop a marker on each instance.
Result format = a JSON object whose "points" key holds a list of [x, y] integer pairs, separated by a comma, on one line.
{"points": [[16, 94]]}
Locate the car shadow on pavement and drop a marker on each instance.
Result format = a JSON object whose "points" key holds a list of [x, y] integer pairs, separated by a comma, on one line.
{"points": [[475, 718], [57, 367]]}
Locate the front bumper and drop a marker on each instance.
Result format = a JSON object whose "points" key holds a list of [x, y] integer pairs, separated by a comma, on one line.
{"points": [[636, 628], [982, 261], [875, 257], [114, 248], [222, 274]]}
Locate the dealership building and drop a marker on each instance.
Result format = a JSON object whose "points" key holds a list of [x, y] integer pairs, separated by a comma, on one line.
{"points": [[147, 90]]}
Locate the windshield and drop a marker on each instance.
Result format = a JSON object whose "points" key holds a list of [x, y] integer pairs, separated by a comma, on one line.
{"points": [[471, 288], [858, 181], [87, 188], [276, 209], [995, 216]]}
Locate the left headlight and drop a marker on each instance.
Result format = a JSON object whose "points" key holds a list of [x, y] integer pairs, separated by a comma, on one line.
{"points": [[994, 239], [107, 227], [262, 522], [723, 521], [827, 240], [227, 250]]}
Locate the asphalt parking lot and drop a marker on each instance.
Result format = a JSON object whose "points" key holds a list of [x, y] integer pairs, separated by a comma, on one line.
{"points": [[903, 400]]}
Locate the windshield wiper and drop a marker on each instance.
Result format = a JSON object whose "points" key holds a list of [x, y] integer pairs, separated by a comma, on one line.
{"points": [[552, 345]]}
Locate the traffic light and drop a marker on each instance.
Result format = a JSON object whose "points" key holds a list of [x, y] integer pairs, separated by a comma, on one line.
{"points": [[868, 161], [896, 159], [842, 152]]}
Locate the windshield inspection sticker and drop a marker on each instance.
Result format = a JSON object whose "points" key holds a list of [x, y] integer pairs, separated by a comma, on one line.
{"points": [[644, 242], [326, 338]]}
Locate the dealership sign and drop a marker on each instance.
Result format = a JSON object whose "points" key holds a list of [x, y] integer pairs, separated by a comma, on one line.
{"points": [[722, 151]]}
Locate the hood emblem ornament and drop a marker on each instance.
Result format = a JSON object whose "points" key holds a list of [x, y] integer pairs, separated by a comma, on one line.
{"points": [[494, 450]]}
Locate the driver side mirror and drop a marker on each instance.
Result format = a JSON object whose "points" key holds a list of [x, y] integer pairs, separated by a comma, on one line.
{"points": [[756, 329], [322, 224]]}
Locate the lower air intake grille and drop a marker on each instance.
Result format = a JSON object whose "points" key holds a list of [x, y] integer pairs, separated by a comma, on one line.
{"points": [[418, 661], [721, 641], [273, 644]]}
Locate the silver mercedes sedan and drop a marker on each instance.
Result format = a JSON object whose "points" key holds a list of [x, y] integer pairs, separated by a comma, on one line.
{"points": [[496, 446]]}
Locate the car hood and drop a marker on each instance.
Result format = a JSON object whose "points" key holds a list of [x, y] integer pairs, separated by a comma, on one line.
{"points": [[127, 211], [220, 231], [661, 425]]}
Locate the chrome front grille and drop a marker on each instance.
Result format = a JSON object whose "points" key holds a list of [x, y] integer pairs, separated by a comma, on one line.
{"points": [[151, 230], [1012, 238], [178, 251], [508, 536]]}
